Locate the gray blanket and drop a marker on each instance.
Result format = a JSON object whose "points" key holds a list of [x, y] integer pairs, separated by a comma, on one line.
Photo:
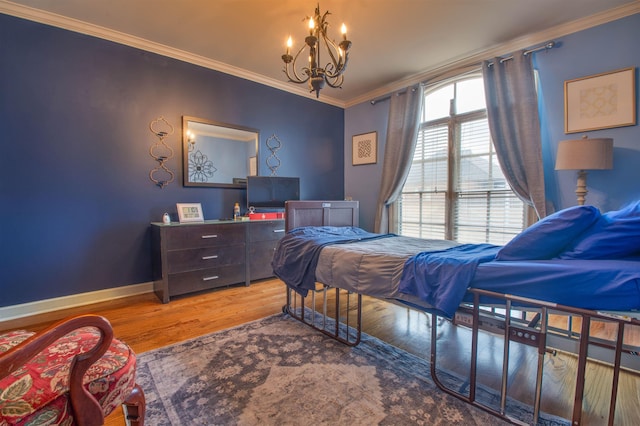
{"points": [[373, 267]]}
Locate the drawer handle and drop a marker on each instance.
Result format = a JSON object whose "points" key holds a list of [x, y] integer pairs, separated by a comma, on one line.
{"points": [[278, 230], [215, 256], [210, 236], [215, 277]]}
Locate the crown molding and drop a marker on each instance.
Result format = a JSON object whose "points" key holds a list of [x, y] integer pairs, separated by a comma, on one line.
{"points": [[78, 26], [75, 25], [501, 50]]}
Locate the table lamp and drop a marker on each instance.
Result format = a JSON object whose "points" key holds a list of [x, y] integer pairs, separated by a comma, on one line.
{"points": [[582, 155]]}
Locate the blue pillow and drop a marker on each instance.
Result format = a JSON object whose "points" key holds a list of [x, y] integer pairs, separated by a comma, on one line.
{"points": [[548, 237], [615, 235]]}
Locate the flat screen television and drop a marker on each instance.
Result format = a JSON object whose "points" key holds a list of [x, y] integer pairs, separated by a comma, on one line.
{"points": [[270, 192]]}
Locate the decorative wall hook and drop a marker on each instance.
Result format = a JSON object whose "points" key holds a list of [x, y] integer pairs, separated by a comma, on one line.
{"points": [[273, 162], [161, 152]]}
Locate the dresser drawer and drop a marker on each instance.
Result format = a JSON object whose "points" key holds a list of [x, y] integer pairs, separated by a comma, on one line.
{"points": [[259, 258], [204, 279], [206, 257], [195, 236], [265, 230]]}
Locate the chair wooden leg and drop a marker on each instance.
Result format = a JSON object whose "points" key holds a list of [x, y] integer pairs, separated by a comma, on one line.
{"points": [[134, 407]]}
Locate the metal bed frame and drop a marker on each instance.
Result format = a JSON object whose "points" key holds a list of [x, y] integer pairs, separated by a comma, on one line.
{"points": [[341, 328], [526, 325], [517, 320]]}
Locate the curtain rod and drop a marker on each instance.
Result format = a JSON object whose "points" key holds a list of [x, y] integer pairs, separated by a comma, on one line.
{"points": [[385, 98], [546, 46]]}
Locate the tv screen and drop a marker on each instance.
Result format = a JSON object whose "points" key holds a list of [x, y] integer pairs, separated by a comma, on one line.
{"points": [[271, 192]]}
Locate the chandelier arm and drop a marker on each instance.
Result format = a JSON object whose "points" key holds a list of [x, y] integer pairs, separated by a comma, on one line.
{"points": [[334, 68], [332, 48], [296, 78], [335, 82], [329, 69]]}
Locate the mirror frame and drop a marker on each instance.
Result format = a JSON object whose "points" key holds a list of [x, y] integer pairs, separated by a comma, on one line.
{"points": [[185, 152]]}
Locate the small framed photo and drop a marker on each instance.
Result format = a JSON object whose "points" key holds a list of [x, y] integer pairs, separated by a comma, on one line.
{"points": [[600, 101], [190, 212], [365, 149]]}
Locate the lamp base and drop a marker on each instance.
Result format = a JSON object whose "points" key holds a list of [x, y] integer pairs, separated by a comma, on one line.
{"points": [[581, 189]]}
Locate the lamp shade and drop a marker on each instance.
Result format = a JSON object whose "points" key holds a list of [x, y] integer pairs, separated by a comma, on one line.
{"points": [[585, 154]]}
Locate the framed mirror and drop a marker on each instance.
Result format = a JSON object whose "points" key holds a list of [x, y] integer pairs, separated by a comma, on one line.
{"points": [[218, 154]]}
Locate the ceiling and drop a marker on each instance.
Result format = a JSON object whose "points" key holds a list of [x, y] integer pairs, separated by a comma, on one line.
{"points": [[394, 42]]}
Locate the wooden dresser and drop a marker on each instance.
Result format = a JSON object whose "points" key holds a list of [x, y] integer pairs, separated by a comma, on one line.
{"points": [[262, 239], [191, 257]]}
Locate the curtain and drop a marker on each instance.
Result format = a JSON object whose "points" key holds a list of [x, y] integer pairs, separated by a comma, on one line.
{"points": [[402, 131], [512, 109]]}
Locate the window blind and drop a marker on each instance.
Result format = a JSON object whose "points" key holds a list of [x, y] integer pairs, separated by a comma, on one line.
{"points": [[455, 188]]}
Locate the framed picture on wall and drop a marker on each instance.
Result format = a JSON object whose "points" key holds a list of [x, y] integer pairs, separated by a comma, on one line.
{"points": [[365, 149], [190, 212], [600, 101]]}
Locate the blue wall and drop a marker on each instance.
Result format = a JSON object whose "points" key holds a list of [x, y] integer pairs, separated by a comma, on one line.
{"points": [[75, 195], [600, 49], [596, 50], [362, 182]]}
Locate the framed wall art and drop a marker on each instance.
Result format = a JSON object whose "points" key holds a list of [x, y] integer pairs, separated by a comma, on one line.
{"points": [[365, 149], [190, 212], [600, 101]]}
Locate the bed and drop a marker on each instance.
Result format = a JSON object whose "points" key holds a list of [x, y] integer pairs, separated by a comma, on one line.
{"points": [[509, 290]]}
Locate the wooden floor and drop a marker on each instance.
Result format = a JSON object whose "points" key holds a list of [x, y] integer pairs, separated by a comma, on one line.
{"points": [[145, 323]]}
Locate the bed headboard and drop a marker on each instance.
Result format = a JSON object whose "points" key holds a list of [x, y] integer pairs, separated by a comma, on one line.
{"points": [[321, 213]]}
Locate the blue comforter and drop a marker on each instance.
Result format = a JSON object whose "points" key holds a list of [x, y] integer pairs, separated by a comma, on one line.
{"points": [[442, 277], [296, 256], [439, 277]]}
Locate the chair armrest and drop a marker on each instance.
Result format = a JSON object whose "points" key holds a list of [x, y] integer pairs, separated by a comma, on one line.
{"points": [[86, 410]]}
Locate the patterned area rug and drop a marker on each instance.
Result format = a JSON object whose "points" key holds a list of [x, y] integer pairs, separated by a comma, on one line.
{"points": [[277, 371]]}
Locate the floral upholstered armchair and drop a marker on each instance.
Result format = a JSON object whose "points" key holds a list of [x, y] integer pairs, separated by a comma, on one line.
{"points": [[72, 373]]}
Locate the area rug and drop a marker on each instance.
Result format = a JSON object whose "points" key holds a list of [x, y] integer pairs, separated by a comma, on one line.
{"points": [[277, 371]]}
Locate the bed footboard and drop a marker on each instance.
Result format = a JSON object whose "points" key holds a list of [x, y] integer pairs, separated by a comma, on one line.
{"points": [[534, 330], [340, 319]]}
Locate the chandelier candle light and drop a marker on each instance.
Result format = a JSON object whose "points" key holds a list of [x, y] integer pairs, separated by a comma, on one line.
{"points": [[315, 75]]}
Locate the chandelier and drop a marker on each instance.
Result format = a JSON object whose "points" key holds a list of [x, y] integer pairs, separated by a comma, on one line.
{"points": [[317, 41]]}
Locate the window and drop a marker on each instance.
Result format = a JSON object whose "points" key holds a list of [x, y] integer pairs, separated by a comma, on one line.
{"points": [[455, 189]]}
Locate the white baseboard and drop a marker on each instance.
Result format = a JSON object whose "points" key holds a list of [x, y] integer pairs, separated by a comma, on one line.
{"points": [[65, 302]]}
